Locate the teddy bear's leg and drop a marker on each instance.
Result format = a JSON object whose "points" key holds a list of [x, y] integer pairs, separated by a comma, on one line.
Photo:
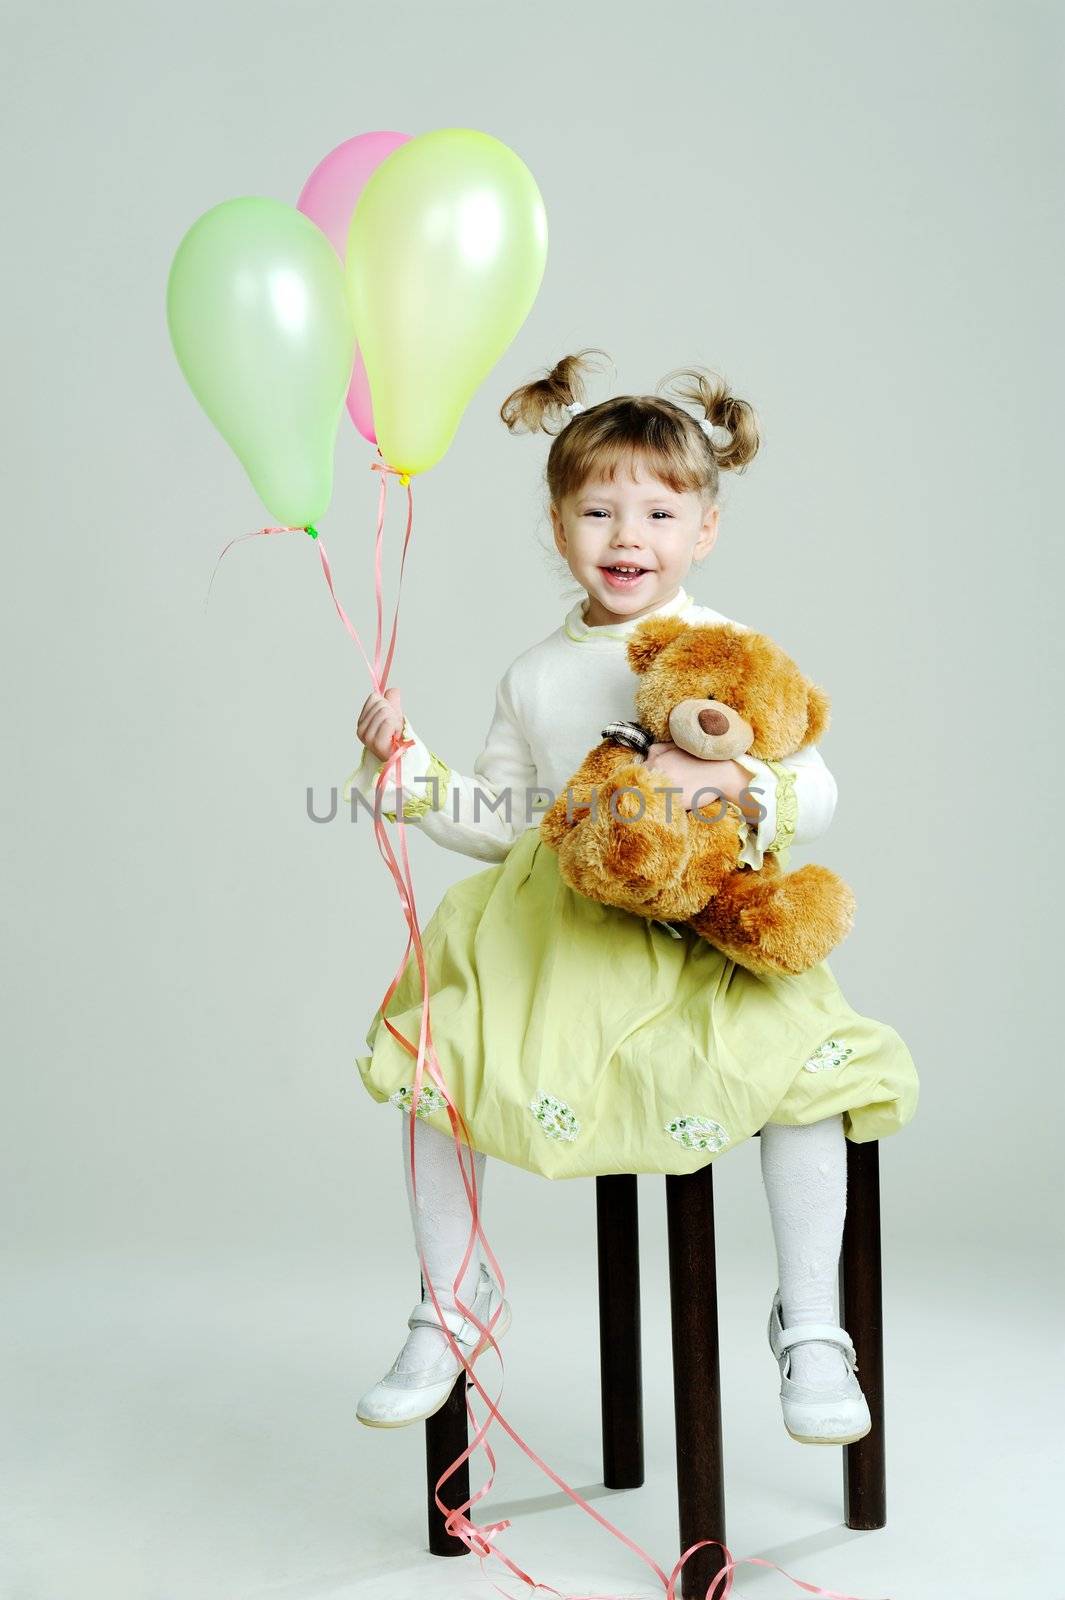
{"points": [[626, 853], [770, 921], [713, 848], [571, 808], [582, 869], [650, 878], [714, 845]]}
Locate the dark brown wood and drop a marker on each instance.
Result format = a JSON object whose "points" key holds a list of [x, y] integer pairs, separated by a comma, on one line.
{"points": [[620, 1368], [696, 1374], [446, 1437], [862, 1314]]}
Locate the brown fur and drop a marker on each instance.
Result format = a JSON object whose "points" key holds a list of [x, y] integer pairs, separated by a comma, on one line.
{"points": [[684, 869]]}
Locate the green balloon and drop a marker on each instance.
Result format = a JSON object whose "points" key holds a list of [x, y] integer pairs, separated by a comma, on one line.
{"points": [[446, 252], [259, 320]]}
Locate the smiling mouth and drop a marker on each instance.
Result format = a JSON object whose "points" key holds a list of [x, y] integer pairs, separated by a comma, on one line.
{"points": [[623, 572]]}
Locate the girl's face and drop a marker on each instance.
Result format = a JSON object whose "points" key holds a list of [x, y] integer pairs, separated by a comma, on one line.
{"points": [[632, 522]]}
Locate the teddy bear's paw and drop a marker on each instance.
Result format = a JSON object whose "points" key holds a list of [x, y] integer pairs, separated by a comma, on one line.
{"points": [[775, 923], [801, 921]]}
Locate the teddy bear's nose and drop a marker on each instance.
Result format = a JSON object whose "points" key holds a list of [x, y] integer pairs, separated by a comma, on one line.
{"points": [[713, 721]]}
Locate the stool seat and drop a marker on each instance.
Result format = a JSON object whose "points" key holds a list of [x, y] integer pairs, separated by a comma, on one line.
{"points": [[696, 1362]]}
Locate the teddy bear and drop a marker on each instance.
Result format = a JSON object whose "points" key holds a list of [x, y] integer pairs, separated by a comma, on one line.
{"points": [[717, 691]]}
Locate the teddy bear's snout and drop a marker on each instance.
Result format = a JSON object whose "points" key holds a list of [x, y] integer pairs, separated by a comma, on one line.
{"points": [[709, 730]]}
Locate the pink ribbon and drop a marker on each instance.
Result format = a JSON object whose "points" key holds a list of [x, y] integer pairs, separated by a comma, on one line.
{"points": [[478, 1538]]}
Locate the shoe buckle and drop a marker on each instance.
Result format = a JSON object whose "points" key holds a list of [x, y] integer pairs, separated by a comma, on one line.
{"points": [[846, 1348], [424, 1316], [463, 1328]]}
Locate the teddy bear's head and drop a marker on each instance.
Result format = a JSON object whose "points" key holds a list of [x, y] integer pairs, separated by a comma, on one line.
{"points": [[719, 691]]}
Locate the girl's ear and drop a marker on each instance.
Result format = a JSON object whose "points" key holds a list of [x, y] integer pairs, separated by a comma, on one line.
{"points": [[818, 714], [650, 637]]}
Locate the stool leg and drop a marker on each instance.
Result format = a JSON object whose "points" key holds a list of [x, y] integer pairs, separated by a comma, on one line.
{"points": [[696, 1375], [861, 1306], [446, 1436], [620, 1376]]}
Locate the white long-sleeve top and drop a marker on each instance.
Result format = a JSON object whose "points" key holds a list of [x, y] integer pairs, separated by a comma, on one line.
{"points": [[550, 707]]}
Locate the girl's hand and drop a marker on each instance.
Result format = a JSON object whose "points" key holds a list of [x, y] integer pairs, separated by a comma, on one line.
{"points": [[380, 717], [691, 774]]}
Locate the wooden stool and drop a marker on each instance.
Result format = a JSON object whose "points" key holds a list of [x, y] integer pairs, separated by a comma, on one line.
{"points": [[696, 1370]]}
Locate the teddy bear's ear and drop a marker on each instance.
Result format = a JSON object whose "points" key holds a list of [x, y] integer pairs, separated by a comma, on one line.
{"points": [[650, 637], [818, 714]]}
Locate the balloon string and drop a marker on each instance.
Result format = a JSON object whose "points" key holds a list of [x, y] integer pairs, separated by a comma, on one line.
{"points": [[477, 1538]]}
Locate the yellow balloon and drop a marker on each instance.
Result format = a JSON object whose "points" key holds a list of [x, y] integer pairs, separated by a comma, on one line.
{"points": [[446, 253]]}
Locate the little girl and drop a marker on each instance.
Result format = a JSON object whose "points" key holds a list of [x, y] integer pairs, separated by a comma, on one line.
{"points": [[579, 1039]]}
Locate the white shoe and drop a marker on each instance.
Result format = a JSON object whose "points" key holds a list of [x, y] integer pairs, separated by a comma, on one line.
{"points": [[818, 1413], [404, 1397]]}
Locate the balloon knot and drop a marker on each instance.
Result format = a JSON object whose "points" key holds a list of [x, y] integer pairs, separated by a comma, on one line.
{"points": [[382, 466], [311, 530]]}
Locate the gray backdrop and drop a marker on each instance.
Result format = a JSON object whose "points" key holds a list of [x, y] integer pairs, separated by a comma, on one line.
{"points": [[855, 216]]}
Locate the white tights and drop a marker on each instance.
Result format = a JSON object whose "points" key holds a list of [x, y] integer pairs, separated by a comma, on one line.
{"points": [[804, 1170], [442, 1223]]}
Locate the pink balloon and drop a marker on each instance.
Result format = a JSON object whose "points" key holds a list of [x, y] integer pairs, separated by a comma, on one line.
{"points": [[329, 198]]}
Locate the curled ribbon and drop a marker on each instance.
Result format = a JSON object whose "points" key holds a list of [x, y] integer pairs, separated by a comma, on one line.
{"points": [[477, 1538]]}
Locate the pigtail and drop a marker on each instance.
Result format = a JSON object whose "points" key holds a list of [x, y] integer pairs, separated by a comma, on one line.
{"points": [[540, 406], [724, 410]]}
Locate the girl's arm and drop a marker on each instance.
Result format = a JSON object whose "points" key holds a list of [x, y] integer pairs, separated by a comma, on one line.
{"points": [[445, 809], [799, 797]]}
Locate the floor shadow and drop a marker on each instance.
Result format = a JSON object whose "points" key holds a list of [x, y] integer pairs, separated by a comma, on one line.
{"points": [[795, 1550], [551, 1502]]}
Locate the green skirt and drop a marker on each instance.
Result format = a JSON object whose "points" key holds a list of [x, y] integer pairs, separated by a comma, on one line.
{"points": [[577, 1039]]}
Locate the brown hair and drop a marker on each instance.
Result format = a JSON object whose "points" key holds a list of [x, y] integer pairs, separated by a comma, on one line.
{"points": [[651, 429]]}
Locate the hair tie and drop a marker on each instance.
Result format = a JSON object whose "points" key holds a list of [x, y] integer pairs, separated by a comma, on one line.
{"points": [[710, 429], [574, 406]]}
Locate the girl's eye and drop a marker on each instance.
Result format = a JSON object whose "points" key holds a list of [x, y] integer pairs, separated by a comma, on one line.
{"points": [[603, 513]]}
